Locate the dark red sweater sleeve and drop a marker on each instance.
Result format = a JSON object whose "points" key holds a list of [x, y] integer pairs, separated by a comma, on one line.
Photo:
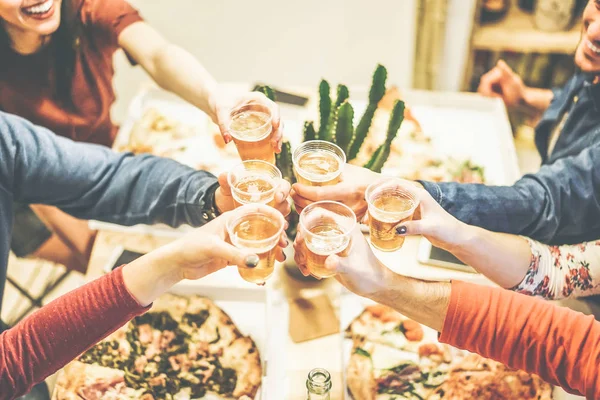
{"points": [[558, 344], [50, 338]]}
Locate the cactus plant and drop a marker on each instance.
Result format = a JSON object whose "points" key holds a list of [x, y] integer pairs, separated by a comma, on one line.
{"points": [[382, 153], [344, 128], [325, 107], [375, 95], [267, 91], [309, 132], [283, 162], [343, 94]]}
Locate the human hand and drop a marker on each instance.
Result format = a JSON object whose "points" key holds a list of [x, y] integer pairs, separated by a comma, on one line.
{"points": [[224, 198], [224, 101], [502, 82], [350, 191], [207, 249], [357, 268]]}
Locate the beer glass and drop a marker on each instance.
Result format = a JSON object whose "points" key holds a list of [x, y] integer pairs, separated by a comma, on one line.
{"points": [[254, 181], [250, 127], [326, 227], [257, 229], [318, 163], [389, 204]]}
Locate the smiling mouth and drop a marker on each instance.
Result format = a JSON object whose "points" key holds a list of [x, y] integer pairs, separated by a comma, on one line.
{"points": [[38, 9], [594, 49]]}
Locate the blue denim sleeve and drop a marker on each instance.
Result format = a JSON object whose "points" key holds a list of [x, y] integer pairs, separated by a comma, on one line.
{"points": [[93, 182], [560, 204]]}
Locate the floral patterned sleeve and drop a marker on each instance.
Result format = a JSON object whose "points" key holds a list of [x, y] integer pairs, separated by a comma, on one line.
{"points": [[557, 272]]}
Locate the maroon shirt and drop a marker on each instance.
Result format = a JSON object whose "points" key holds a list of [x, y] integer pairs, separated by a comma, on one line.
{"points": [[27, 81], [56, 334]]}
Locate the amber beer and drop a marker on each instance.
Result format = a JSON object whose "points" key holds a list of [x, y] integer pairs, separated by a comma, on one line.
{"points": [[251, 127], [318, 163], [326, 227], [254, 181], [389, 205], [257, 229]]}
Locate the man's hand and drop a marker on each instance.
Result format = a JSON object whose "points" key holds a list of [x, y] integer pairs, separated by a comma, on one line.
{"points": [[224, 199], [350, 191], [502, 82], [223, 102]]}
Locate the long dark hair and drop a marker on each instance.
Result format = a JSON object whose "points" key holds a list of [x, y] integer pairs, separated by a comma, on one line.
{"points": [[65, 46]]}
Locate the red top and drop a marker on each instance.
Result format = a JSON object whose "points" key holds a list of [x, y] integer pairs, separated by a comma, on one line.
{"points": [[50, 338], [558, 344], [26, 81]]}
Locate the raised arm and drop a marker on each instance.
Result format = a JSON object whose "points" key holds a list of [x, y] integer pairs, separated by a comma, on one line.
{"points": [[560, 345], [92, 182], [60, 331], [558, 204]]}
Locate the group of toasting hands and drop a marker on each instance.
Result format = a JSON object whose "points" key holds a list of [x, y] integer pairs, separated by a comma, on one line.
{"points": [[326, 224]]}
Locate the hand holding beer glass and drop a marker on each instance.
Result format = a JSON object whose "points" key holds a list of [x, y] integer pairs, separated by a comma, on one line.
{"points": [[318, 163], [256, 228], [389, 204], [326, 227], [254, 181], [251, 127]]}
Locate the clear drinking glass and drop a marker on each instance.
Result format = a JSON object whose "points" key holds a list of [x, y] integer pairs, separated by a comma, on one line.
{"points": [[326, 227], [251, 127], [318, 163], [257, 229], [254, 181], [389, 204]]}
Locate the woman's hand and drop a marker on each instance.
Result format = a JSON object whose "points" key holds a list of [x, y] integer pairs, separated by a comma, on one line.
{"points": [[224, 199], [194, 256], [350, 191], [224, 101], [357, 268], [433, 222]]}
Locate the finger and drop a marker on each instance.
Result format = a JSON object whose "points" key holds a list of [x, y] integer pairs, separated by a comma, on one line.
{"points": [[224, 120], [333, 264], [315, 193], [505, 70], [410, 228], [280, 255], [489, 81], [283, 240], [224, 184], [300, 202], [277, 137], [283, 190], [233, 255]]}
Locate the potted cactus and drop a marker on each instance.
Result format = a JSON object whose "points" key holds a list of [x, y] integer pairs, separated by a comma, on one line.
{"points": [[336, 125]]}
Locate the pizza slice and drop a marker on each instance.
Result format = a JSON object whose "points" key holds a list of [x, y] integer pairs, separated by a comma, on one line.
{"points": [[380, 372], [381, 324]]}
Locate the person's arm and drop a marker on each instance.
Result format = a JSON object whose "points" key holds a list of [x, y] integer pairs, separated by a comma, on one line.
{"points": [[60, 331], [558, 344], [92, 182], [559, 203], [176, 70]]}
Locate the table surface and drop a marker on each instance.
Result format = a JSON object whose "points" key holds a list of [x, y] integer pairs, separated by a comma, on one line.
{"points": [[300, 358]]}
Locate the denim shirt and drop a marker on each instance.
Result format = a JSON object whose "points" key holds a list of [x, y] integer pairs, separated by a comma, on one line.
{"points": [[560, 204], [92, 182]]}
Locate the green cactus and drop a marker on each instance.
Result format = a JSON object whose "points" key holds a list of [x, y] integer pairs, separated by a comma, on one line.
{"points": [[343, 94], [309, 132], [324, 111], [382, 153], [344, 128], [375, 95], [267, 91], [283, 161]]}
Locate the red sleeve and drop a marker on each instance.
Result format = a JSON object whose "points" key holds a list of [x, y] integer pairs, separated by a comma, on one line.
{"points": [[59, 332], [560, 345], [109, 17]]}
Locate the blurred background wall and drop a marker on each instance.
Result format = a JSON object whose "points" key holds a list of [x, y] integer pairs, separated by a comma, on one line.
{"points": [[283, 42]]}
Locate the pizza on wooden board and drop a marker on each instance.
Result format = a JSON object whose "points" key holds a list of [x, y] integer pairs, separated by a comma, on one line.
{"points": [[184, 348], [391, 360]]}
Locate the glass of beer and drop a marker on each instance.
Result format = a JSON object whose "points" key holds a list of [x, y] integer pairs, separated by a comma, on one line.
{"points": [[389, 205], [318, 163], [326, 227], [254, 181], [257, 229], [250, 127]]}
